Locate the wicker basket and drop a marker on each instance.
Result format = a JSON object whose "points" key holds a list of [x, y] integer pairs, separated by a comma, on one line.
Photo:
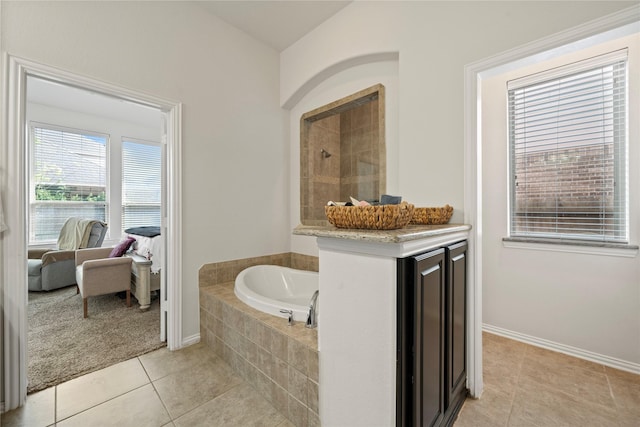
{"points": [[432, 215], [380, 217]]}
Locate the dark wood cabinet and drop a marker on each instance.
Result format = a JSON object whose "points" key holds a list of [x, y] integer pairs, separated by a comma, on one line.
{"points": [[428, 339], [456, 324], [431, 355]]}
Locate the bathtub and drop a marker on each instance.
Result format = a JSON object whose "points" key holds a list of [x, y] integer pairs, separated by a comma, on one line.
{"points": [[271, 288]]}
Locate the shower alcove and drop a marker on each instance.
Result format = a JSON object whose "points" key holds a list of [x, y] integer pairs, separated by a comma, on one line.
{"points": [[342, 153]]}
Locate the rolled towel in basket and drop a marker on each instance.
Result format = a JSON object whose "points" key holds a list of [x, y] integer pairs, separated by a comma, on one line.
{"points": [[386, 199]]}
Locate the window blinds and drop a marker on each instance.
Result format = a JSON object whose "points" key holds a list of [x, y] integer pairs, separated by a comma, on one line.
{"points": [[567, 137], [68, 170], [141, 183]]}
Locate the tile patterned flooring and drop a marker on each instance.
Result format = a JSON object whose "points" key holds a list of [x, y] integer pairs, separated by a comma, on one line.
{"points": [[189, 387], [528, 386], [524, 386]]}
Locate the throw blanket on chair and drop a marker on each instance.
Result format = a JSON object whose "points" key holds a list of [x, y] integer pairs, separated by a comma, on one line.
{"points": [[75, 233]]}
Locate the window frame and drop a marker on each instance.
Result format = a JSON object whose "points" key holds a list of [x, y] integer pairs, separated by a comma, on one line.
{"points": [[158, 145], [34, 124], [621, 160], [113, 175]]}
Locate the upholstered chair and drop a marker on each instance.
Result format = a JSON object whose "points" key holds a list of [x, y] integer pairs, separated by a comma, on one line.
{"points": [[51, 269], [99, 274]]}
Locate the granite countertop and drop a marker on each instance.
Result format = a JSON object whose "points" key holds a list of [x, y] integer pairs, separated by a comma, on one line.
{"points": [[406, 234]]}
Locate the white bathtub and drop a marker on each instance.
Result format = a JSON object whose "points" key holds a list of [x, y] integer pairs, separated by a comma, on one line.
{"points": [[271, 288]]}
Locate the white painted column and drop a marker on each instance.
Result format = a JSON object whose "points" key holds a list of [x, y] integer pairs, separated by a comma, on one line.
{"points": [[356, 339], [358, 323]]}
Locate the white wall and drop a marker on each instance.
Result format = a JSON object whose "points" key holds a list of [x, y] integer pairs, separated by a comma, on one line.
{"points": [[235, 157], [587, 301], [434, 41]]}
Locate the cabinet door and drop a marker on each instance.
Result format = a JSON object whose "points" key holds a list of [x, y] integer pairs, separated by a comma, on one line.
{"points": [[429, 344], [456, 321]]}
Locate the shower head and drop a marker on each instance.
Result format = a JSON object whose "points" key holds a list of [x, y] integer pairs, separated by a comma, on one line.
{"points": [[325, 153]]}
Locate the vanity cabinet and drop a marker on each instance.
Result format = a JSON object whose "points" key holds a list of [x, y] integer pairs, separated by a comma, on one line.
{"points": [[431, 321], [367, 283]]}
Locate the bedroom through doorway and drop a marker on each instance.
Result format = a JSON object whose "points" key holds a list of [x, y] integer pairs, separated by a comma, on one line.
{"points": [[14, 241], [96, 157]]}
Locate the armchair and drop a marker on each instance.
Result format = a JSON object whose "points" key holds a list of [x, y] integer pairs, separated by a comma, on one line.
{"points": [[55, 268], [97, 274]]}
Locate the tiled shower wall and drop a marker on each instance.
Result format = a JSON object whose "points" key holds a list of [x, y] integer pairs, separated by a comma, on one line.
{"points": [[359, 152], [280, 361], [324, 172], [353, 169]]}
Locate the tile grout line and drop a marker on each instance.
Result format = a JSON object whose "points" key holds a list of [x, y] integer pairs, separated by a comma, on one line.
{"points": [[202, 404], [98, 404], [585, 370], [613, 398], [104, 401], [144, 369], [152, 382], [517, 385], [155, 390], [198, 363]]}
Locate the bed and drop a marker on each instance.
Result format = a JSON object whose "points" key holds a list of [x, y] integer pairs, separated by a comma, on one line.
{"points": [[147, 263]]}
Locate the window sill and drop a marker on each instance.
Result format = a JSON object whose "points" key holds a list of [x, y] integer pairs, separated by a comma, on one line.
{"points": [[571, 246], [43, 245]]}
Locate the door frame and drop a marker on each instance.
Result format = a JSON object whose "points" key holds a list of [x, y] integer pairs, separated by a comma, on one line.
{"points": [[474, 73], [13, 249]]}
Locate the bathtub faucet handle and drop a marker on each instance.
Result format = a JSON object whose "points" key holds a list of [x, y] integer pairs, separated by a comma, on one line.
{"points": [[289, 314]]}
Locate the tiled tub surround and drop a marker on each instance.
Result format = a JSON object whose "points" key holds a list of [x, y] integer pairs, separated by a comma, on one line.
{"points": [[280, 361], [222, 272]]}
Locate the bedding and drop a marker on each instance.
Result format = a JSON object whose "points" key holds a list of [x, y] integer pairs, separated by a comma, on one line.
{"points": [[146, 231], [148, 247]]}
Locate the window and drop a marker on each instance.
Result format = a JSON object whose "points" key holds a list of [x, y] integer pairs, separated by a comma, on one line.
{"points": [[567, 138], [68, 178], [141, 183]]}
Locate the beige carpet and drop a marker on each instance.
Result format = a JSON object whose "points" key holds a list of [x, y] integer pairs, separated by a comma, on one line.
{"points": [[63, 345]]}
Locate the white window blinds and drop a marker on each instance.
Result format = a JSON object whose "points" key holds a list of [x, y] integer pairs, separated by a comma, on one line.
{"points": [[68, 170], [567, 137], [141, 183]]}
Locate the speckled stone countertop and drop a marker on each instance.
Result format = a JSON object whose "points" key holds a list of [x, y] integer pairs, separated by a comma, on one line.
{"points": [[406, 234]]}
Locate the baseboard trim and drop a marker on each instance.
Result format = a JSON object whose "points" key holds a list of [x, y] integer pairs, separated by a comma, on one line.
{"points": [[565, 349], [193, 339]]}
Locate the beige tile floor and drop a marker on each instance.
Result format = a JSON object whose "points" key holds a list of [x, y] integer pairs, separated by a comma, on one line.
{"points": [[524, 386], [190, 387], [529, 386]]}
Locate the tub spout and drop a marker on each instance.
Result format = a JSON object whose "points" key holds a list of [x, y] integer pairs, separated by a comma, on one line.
{"points": [[312, 319]]}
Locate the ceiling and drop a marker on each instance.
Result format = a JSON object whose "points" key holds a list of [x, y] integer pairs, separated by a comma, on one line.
{"points": [[41, 91], [277, 23]]}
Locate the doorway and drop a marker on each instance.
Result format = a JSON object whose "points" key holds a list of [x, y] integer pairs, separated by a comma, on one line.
{"points": [[594, 32], [14, 241], [99, 158]]}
